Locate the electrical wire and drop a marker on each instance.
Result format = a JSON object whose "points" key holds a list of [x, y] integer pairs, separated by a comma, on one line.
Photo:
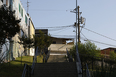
{"points": [[60, 31], [56, 26], [47, 10], [99, 34], [96, 41], [84, 35]]}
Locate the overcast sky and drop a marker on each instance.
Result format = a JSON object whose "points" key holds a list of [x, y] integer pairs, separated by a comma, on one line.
{"points": [[100, 19]]}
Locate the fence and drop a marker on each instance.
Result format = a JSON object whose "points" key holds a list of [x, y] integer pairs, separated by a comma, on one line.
{"points": [[98, 67]]}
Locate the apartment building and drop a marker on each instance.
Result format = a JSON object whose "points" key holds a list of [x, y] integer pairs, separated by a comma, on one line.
{"points": [[15, 48]]}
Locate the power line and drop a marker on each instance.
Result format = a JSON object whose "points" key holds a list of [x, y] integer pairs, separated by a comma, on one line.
{"points": [[49, 10], [65, 35], [84, 35], [60, 31], [99, 34], [56, 26], [98, 42]]}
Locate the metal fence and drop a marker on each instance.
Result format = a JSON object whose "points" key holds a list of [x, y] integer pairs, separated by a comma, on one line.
{"points": [[98, 67]]}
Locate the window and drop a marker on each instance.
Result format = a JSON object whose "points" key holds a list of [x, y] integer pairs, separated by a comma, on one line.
{"points": [[54, 42], [26, 19], [20, 10], [19, 7], [22, 13]]}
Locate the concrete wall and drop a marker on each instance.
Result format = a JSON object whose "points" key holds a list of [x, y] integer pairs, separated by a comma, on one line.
{"points": [[60, 47]]}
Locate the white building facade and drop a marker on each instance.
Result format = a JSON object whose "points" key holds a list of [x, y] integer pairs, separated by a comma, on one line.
{"points": [[20, 13]]}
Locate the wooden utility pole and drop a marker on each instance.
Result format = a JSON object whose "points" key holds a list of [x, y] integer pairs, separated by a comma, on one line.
{"points": [[78, 26]]}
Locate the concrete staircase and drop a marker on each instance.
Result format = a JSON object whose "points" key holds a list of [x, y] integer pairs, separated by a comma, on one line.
{"points": [[55, 68]]}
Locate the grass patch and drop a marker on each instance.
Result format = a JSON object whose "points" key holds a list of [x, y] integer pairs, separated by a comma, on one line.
{"points": [[15, 68]]}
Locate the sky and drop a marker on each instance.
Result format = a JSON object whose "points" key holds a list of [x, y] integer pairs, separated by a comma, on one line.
{"points": [[100, 24]]}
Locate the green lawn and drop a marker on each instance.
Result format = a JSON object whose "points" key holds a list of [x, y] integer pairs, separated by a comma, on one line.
{"points": [[15, 68]]}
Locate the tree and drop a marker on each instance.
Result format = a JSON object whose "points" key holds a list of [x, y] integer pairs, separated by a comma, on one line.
{"points": [[27, 42], [42, 41], [87, 51], [8, 24], [112, 55]]}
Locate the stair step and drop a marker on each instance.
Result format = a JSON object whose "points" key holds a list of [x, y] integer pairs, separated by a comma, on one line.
{"points": [[59, 69]]}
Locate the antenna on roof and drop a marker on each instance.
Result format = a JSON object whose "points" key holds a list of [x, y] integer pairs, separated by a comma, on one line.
{"points": [[27, 6]]}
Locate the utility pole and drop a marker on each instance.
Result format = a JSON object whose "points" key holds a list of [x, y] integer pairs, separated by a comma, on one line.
{"points": [[78, 26]]}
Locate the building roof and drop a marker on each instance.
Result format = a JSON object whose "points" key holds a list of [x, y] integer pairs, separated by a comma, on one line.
{"points": [[62, 38], [45, 31], [108, 48]]}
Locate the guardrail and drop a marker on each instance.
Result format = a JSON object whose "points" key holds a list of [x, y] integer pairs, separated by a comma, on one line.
{"points": [[46, 56], [24, 70], [78, 63], [34, 60], [70, 59], [28, 71], [87, 71]]}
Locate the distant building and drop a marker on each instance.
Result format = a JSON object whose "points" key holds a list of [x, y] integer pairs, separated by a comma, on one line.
{"points": [[106, 52], [60, 45], [45, 31], [57, 40]]}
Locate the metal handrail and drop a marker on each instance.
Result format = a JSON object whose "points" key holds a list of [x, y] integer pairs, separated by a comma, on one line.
{"points": [[47, 56], [67, 52], [78, 63], [24, 70], [70, 59], [35, 58], [87, 71], [27, 69]]}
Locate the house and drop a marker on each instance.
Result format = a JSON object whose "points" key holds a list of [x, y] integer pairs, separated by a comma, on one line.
{"points": [[60, 45], [106, 52]]}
